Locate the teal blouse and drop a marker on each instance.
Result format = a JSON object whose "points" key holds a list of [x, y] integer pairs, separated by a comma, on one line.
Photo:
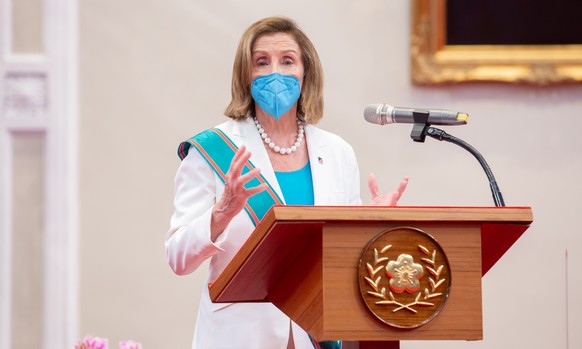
{"points": [[297, 186]]}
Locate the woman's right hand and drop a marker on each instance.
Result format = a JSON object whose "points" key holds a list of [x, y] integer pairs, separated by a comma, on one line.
{"points": [[235, 194]]}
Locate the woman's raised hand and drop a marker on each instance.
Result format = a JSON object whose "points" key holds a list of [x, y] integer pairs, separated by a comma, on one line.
{"points": [[235, 194], [390, 199]]}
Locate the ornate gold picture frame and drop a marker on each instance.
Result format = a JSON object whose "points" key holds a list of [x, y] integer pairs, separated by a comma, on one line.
{"points": [[435, 62]]}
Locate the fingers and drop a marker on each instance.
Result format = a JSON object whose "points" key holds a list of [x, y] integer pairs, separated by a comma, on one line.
{"points": [[238, 163], [241, 156], [373, 185], [400, 190], [404, 183], [235, 186], [397, 193], [255, 190], [391, 198], [255, 172]]}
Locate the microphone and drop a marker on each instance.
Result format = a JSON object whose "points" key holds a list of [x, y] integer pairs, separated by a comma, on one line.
{"points": [[382, 114]]}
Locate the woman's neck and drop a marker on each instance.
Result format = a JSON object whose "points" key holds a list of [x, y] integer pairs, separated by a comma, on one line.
{"points": [[283, 132], [284, 127]]}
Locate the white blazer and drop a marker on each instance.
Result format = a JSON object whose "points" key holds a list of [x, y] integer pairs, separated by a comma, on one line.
{"points": [[336, 181]]}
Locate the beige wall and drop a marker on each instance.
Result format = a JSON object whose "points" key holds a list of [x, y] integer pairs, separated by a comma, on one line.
{"points": [[155, 72]]}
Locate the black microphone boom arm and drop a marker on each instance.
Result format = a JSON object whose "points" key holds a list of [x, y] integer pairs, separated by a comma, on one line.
{"points": [[421, 130]]}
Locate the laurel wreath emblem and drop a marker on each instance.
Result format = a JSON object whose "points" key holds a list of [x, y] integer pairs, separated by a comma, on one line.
{"points": [[387, 297]]}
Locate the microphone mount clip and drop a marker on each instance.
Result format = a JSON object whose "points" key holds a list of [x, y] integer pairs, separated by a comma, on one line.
{"points": [[419, 129]]}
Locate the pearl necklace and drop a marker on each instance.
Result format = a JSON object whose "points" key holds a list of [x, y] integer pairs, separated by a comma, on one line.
{"points": [[276, 148]]}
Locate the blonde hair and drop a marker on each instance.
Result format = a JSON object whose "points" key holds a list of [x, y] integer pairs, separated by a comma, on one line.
{"points": [[309, 105]]}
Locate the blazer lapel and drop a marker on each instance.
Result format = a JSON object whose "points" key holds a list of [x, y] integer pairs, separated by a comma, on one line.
{"points": [[323, 179]]}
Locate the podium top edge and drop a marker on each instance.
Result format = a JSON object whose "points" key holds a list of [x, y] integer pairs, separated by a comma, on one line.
{"points": [[486, 214]]}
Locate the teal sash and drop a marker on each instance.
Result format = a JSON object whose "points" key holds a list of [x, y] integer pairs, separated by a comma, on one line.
{"points": [[326, 345], [218, 150]]}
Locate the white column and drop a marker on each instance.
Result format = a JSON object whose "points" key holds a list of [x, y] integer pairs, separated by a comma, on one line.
{"points": [[38, 93]]}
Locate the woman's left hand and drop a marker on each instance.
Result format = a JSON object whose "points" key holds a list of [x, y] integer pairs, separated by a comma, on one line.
{"points": [[390, 199]]}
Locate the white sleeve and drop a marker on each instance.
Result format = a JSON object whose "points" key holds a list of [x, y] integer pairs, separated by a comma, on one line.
{"points": [[354, 196], [188, 242]]}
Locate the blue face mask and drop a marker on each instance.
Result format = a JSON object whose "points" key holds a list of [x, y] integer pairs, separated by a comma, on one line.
{"points": [[275, 93]]}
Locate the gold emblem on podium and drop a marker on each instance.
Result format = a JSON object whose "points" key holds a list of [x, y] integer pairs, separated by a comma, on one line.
{"points": [[404, 277]]}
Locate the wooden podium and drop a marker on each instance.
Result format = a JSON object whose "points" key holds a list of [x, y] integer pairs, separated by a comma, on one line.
{"points": [[305, 261]]}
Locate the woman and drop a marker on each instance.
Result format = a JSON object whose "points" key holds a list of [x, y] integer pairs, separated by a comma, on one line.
{"points": [[277, 96]]}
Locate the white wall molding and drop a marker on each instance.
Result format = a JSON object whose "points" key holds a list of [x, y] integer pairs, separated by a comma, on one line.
{"points": [[5, 238], [38, 93], [61, 297], [5, 186], [25, 95]]}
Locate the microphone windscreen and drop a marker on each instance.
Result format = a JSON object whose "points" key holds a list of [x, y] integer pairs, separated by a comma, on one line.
{"points": [[371, 113]]}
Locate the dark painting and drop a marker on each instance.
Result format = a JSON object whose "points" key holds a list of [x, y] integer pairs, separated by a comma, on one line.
{"points": [[514, 22]]}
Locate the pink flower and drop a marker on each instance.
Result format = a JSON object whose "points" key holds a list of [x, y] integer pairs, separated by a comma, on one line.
{"points": [[92, 343], [129, 345]]}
